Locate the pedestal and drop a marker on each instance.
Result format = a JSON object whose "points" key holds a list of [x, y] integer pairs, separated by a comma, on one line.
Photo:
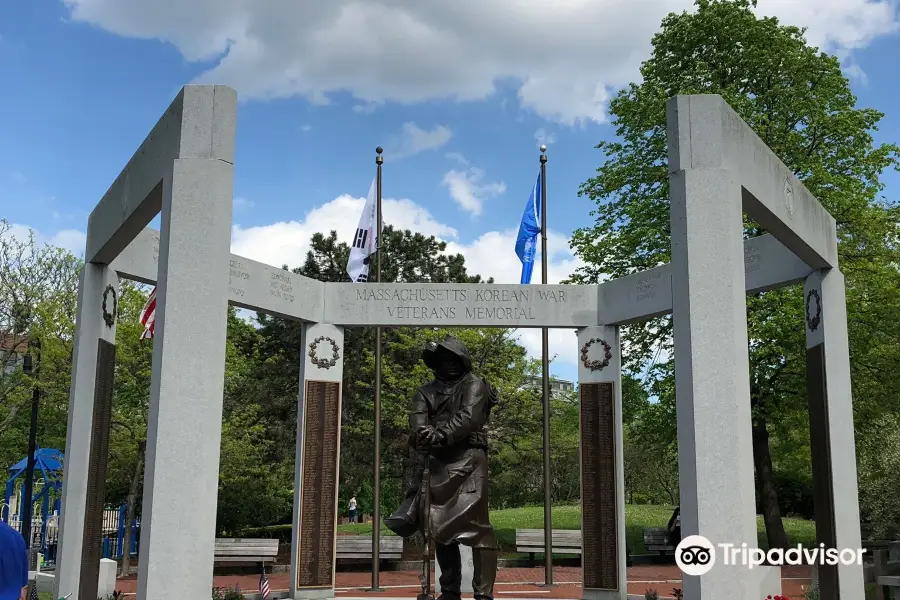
{"points": [[317, 463], [87, 437], [603, 553], [709, 315], [832, 446]]}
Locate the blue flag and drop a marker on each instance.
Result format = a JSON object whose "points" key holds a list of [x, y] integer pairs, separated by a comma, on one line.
{"points": [[529, 228]]}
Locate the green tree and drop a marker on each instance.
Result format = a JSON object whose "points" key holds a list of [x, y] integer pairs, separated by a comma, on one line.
{"points": [[38, 295], [408, 257], [799, 102]]}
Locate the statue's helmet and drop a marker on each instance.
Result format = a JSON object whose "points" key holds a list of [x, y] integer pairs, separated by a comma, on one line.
{"points": [[452, 345]]}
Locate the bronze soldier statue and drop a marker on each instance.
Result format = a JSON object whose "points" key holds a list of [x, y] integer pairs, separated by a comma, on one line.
{"points": [[447, 424]]}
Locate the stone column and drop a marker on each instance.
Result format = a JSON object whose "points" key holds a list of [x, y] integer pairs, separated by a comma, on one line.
{"points": [[715, 451], [318, 462], [87, 434], [603, 551], [181, 479], [832, 443]]}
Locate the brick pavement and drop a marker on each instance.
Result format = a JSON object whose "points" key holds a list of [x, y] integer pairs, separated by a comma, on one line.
{"points": [[510, 582]]}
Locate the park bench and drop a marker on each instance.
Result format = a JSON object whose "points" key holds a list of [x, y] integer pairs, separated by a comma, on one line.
{"points": [[350, 547], [656, 539], [886, 564], [247, 550], [564, 541]]}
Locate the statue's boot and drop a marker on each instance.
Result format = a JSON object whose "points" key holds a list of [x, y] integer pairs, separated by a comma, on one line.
{"points": [[485, 574], [449, 559]]}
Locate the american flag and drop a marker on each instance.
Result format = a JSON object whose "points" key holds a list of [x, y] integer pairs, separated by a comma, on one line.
{"points": [[264, 585], [148, 316]]}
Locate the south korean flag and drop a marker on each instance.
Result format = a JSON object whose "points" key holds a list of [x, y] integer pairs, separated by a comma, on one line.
{"points": [[364, 240]]}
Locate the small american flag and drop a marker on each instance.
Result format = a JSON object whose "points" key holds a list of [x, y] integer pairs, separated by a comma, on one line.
{"points": [[148, 316], [264, 585]]}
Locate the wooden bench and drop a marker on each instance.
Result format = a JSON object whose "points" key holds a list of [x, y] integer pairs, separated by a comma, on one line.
{"points": [[360, 547], [247, 550], [563, 541], [886, 565], [657, 540]]}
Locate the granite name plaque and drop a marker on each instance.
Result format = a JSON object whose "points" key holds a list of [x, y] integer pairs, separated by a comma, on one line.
{"points": [[318, 488], [820, 453], [99, 458], [599, 529]]}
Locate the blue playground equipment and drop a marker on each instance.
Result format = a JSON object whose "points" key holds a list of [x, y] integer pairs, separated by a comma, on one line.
{"points": [[48, 470], [48, 474]]}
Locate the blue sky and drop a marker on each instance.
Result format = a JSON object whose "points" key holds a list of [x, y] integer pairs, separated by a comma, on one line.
{"points": [[459, 103]]}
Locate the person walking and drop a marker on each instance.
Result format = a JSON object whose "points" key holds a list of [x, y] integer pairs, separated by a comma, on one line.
{"points": [[351, 509], [13, 564]]}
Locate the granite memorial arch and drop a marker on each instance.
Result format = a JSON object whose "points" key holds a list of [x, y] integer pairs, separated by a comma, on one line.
{"points": [[718, 167]]}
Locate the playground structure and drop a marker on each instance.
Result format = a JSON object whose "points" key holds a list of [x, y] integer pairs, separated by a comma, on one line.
{"points": [[718, 169], [48, 469]]}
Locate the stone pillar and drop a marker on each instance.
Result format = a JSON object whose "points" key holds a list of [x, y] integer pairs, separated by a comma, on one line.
{"points": [[832, 444], [90, 402], [181, 479], [603, 551], [715, 451], [318, 462]]}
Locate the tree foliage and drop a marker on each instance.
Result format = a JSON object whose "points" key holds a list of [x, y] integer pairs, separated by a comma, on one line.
{"points": [[797, 99]]}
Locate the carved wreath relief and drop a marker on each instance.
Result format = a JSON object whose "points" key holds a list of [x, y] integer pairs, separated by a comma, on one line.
{"points": [[324, 363], [109, 317], [596, 365], [813, 309]]}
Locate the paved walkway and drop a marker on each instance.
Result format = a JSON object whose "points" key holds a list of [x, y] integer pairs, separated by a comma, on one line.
{"points": [[510, 582]]}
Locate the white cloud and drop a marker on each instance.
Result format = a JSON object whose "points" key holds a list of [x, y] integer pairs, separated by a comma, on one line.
{"points": [[542, 136], [469, 190], [288, 242], [69, 239], [458, 157], [564, 55], [306, 127], [241, 203], [414, 140], [366, 109]]}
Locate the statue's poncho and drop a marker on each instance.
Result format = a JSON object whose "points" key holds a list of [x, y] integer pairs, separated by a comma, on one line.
{"points": [[459, 468]]}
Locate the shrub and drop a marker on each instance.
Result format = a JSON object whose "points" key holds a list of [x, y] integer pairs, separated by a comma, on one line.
{"points": [[227, 593]]}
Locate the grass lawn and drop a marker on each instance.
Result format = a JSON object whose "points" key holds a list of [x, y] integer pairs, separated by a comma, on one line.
{"points": [[637, 518]]}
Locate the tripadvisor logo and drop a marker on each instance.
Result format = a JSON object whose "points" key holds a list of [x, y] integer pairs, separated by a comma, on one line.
{"points": [[696, 555]]}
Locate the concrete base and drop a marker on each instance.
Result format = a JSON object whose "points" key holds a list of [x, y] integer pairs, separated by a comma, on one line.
{"points": [[468, 571], [590, 594], [312, 594], [769, 580], [44, 582], [107, 582]]}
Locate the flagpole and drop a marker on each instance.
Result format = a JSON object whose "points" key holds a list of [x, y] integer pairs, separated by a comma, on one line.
{"points": [[376, 508], [545, 364]]}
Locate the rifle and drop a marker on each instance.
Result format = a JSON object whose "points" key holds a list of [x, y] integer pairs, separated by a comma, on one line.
{"points": [[425, 576]]}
